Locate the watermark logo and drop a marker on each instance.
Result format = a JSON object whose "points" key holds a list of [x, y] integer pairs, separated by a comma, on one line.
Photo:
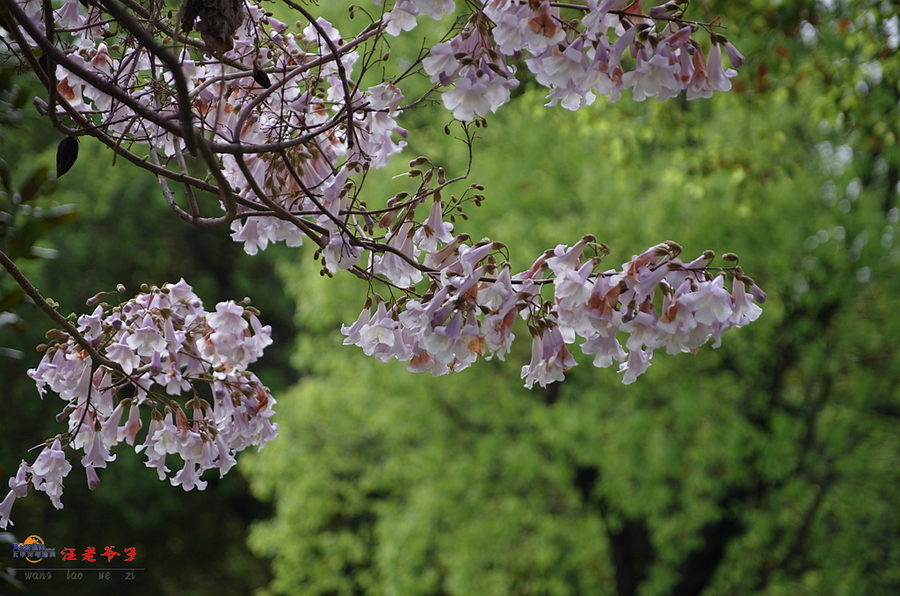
{"points": [[105, 562], [33, 550]]}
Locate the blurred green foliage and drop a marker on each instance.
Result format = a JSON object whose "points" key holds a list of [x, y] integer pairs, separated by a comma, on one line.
{"points": [[769, 466]]}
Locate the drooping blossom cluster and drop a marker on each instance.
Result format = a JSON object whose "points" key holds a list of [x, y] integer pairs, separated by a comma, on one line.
{"points": [[288, 135], [289, 91], [285, 123], [617, 47], [656, 300], [163, 355]]}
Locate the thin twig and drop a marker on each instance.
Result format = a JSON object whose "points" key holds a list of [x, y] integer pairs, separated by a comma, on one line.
{"points": [[51, 312]]}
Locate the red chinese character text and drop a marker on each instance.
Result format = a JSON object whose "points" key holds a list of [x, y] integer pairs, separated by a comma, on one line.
{"points": [[109, 552], [131, 552], [88, 554], [68, 554]]}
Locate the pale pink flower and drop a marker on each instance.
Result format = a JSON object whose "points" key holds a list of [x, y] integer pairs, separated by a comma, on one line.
{"points": [[146, 340], [434, 230], [542, 30], [339, 253], [225, 455], [655, 75], [18, 483], [397, 269], [572, 290], [642, 331], [745, 312], [699, 85], [442, 65], [167, 439], [498, 335], [228, 318], [385, 96], [565, 258], [5, 509], [494, 294], [93, 479], [352, 332], [378, 336], [96, 452], [711, 302], [469, 97], [90, 325], [110, 426], [510, 19], [718, 77], [401, 18], [637, 364], [188, 477], [124, 356], [18, 488], [129, 431], [606, 348], [48, 472], [550, 359]]}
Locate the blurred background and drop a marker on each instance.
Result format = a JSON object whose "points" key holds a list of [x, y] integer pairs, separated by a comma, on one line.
{"points": [[769, 466]]}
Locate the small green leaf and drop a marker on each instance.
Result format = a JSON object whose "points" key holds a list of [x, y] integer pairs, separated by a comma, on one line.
{"points": [[32, 185]]}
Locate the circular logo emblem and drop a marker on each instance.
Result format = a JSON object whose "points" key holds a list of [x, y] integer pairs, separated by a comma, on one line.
{"points": [[33, 540]]}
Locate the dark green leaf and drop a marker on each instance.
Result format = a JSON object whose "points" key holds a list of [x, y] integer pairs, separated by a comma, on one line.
{"points": [[66, 154], [6, 176], [11, 299], [19, 98], [261, 78], [24, 238], [32, 185], [44, 63]]}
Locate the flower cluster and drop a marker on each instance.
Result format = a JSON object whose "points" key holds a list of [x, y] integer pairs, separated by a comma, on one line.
{"points": [[296, 94], [656, 300], [301, 110], [618, 47], [288, 134], [154, 349]]}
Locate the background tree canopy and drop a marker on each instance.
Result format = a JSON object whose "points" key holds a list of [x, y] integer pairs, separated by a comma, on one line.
{"points": [[765, 467], [768, 466]]}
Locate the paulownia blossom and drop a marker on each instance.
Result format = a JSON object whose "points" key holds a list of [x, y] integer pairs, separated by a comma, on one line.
{"points": [[185, 368], [285, 128], [655, 300]]}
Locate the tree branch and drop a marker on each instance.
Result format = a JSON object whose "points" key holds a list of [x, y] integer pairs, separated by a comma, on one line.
{"points": [[51, 312]]}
